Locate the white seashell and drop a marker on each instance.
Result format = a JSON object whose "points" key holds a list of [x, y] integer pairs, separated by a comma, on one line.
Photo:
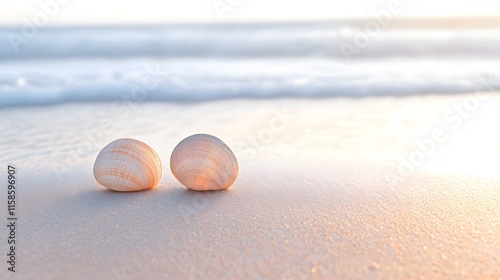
{"points": [[127, 165], [203, 162]]}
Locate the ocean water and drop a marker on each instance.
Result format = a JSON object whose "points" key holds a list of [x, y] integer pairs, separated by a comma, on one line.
{"points": [[193, 63]]}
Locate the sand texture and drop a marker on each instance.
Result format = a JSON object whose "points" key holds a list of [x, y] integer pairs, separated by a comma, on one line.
{"points": [[314, 198]]}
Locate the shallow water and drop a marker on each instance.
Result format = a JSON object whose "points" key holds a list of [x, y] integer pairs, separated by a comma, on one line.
{"points": [[201, 63]]}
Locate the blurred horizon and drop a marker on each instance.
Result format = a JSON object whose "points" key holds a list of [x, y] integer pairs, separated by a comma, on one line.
{"points": [[395, 22], [94, 12]]}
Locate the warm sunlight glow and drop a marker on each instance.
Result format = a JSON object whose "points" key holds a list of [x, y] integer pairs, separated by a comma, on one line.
{"points": [[468, 151]]}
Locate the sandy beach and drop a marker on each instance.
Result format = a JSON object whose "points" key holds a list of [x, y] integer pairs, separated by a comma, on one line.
{"points": [[329, 188]]}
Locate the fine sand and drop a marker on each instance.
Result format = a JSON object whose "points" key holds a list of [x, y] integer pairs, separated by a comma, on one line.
{"points": [[328, 188]]}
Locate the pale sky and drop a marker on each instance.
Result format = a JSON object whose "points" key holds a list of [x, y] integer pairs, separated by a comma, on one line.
{"points": [[12, 12]]}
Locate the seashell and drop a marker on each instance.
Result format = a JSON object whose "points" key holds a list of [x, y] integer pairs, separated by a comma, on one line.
{"points": [[127, 165], [203, 162]]}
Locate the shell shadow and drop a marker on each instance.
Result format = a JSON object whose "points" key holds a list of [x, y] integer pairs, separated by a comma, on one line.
{"points": [[170, 203], [183, 199]]}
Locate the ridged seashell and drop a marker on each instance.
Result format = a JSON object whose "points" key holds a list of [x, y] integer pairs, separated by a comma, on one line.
{"points": [[203, 162], [127, 165]]}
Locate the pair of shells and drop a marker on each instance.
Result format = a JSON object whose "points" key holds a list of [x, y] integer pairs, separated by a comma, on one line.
{"points": [[200, 162]]}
